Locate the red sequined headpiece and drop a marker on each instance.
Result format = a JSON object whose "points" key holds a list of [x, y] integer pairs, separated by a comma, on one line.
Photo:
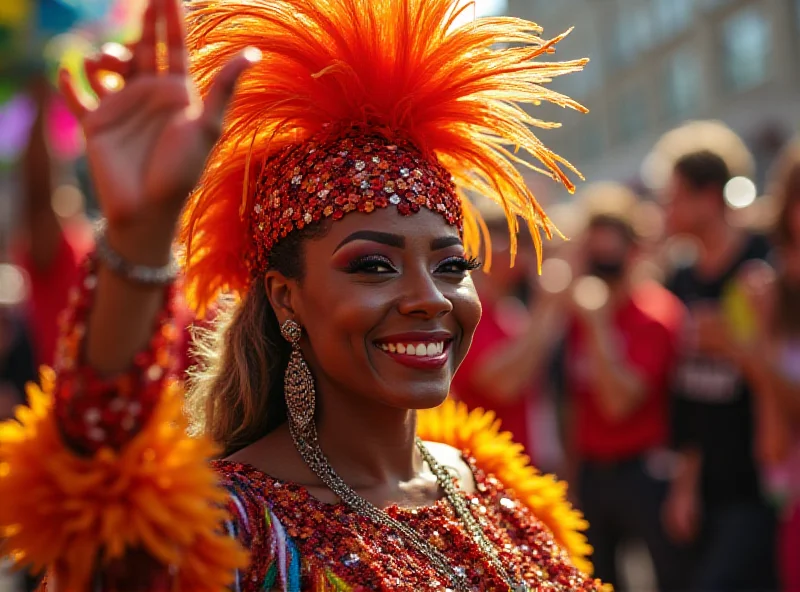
{"points": [[354, 170], [357, 105]]}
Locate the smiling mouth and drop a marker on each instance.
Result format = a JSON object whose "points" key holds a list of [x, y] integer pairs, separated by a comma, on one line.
{"points": [[430, 349], [430, 354]]}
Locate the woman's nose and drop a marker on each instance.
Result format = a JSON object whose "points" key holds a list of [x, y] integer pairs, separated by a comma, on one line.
{"points": [[422, 296]]}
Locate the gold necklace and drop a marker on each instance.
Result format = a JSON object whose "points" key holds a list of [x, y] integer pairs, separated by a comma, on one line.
{"points": [[307, 444]]}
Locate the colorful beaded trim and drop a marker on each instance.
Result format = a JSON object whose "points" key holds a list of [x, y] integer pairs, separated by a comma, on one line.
{"points": [[93, 411], [336, 173]]}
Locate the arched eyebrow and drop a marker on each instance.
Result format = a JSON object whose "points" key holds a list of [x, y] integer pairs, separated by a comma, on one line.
{"points": [[444, 242], [385, 238], [396, 240]]}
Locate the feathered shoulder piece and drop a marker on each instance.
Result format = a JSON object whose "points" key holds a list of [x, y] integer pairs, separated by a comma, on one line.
{"points": [[357, 105], [479, 433]]}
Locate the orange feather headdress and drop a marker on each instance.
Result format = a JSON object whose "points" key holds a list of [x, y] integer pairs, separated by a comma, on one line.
{"points": [[359, 104]]}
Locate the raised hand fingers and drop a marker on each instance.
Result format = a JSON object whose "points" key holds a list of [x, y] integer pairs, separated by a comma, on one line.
{"points": [[66, 84], [222, 89], [145, 53], [175, 37], [110, 61]]}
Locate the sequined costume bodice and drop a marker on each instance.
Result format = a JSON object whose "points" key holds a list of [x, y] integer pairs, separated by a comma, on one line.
{"points": [[299, 543]]}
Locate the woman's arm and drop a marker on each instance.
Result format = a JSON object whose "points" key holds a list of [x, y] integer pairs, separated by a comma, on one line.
{"points": [[618, 386], [504, 371], [41, 224], [107, 419], [777, 401], [146, 146]]}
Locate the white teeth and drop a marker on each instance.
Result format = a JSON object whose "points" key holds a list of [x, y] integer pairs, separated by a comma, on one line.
{"points": [[429, 349]]}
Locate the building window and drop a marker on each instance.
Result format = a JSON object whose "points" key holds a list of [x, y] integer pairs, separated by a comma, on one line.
{"points": [[632, 114], [797, 12], [634, 32], [710, 5], [683, 79], [746, 49], [673, 16], [591, 143]]}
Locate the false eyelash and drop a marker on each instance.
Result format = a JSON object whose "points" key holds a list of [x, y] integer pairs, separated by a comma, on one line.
{"points": [[474, 263], [363, 264], [465, 264]]}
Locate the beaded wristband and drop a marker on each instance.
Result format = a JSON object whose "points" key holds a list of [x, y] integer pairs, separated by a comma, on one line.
{"points": [[93, 411], [141, 274]]}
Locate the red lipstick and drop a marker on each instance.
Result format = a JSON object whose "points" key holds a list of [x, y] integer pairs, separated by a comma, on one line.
{"points": [[418, 350]]}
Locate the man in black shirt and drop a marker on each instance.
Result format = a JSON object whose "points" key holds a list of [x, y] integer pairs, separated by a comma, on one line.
{"points": [[715, 501]]}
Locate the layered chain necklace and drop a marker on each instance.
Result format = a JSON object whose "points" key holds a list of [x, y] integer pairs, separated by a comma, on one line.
{"points": [[307, 444]]}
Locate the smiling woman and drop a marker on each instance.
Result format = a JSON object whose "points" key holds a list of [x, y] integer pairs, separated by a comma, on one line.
{"points": [[332, 208]]}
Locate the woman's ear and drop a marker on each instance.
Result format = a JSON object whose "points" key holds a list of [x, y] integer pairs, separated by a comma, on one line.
{"points": [[280, 292]]}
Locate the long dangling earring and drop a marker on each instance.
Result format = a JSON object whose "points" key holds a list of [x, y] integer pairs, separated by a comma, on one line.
{"points": [[298, 381]]}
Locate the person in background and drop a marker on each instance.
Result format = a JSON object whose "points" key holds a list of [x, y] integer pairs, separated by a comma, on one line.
{"points": [[619, 354], [17, 369], [56, 239], [501, 372], [716, 499], [770, 357], [51, 247]]}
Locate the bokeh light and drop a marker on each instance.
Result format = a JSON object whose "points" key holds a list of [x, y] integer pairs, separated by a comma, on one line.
{"points": [[590, 293], [556, 275], [740, 192]]}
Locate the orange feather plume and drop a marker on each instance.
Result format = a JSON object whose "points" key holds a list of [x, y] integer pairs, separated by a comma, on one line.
{"points": [[456, 92]]}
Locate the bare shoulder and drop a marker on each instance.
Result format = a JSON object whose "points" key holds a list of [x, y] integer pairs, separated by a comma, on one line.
{"points": [[453, 460], [276, 456]]}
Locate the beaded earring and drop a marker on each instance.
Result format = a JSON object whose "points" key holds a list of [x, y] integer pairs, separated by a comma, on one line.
{"points": [[298, 381]]}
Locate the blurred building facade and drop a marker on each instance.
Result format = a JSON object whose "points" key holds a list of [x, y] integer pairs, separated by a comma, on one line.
{"points": [[657, 63]]}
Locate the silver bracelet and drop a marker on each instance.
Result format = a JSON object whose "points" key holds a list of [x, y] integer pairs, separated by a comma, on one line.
{"points": [[140, 274]]}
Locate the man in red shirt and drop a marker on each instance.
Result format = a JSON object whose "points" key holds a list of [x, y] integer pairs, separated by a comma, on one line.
{"points": [[619, 352], [502, 369]]}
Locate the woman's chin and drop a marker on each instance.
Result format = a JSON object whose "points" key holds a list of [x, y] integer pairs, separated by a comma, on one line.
{"points": [[420, 400]]}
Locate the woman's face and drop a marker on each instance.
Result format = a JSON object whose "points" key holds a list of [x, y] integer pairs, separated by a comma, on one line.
{"points": [[387, 306]]}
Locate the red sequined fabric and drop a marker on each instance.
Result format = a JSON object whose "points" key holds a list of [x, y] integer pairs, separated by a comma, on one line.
{"points": [[340, 172], [334, 548], [95, 411]]}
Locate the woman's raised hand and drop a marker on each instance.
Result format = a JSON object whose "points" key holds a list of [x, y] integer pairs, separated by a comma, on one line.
{"points": [[147, 142]]}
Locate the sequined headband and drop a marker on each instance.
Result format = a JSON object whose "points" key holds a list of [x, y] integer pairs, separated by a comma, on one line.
{"points": [[333, 174]]}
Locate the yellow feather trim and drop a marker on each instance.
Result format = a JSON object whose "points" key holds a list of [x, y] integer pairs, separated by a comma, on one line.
{"points": [[478, 431], [158, 494]]}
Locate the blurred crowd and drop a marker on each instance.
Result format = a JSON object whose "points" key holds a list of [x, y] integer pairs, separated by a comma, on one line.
{"points": [[663, 341], [654, 363]]}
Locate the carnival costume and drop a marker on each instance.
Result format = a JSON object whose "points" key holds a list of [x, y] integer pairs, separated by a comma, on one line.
{"points": [[356, 105]]}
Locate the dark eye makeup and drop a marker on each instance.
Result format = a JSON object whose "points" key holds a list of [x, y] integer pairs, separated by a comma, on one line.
{"points": [[376, 264], [459, 265], [379, 264]]}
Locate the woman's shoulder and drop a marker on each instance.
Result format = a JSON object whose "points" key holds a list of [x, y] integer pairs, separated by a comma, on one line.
{"points": [[501, 471], [455, 461], [247, 503], [273, 557]]}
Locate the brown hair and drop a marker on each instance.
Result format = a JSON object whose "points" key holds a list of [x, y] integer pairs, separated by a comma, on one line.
{"points": [[704, 170], [786, 191], [617, 223], [235, 393]]}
